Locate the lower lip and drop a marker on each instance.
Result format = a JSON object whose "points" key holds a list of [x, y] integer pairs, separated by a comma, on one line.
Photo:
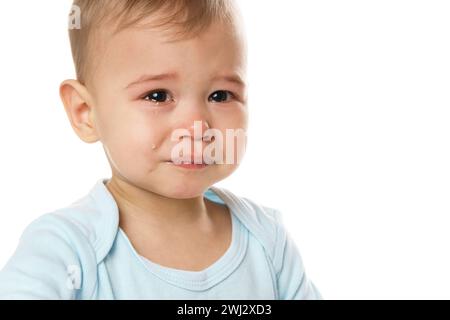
{"points": [[191, 166]]}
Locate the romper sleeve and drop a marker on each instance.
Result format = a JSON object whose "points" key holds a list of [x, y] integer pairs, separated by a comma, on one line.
{"points": [[47, 263], [292, 280]]}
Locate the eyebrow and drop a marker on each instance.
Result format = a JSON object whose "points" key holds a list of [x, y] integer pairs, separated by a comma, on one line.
{"points": [[234, 78], [155, 77]]}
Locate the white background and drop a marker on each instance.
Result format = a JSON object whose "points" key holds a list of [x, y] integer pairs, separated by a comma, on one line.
{"points": [[349, 135]]}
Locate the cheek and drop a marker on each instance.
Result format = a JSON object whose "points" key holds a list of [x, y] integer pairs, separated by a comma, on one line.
{"points": [[236, 140], [129, 139], [233, 118]]}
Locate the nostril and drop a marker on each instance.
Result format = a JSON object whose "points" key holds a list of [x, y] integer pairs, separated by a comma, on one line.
{"points": [[209, 138]]}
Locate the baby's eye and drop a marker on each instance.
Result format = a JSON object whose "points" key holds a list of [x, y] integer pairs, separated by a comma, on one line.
{"points": [[221, 96], [158, 96]]}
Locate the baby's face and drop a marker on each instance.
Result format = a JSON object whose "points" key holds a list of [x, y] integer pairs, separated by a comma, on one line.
{"points": [[145, 88]]}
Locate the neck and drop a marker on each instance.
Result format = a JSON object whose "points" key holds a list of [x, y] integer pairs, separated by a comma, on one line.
{"points": [[144, 206]]}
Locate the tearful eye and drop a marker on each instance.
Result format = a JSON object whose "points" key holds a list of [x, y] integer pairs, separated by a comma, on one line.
{"points": [[220, 96], [159, 96]]}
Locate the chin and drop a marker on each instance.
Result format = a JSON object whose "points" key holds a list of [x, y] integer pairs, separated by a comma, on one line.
{"points": [[186, 190]]}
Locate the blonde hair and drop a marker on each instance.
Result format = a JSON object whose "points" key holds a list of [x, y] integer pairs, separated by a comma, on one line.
{"points": [[186, 17]]}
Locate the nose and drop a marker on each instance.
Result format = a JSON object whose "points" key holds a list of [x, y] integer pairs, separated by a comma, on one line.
{"points": [[194, 135], [193, 118], [196, 130]]}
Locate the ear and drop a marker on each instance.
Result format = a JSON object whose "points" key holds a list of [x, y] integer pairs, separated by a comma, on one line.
{"points": [[78, 105]]}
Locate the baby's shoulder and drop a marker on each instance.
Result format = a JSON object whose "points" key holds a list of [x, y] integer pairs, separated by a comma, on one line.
{"points": [[265, 223], [63, 243], [84, 224]]}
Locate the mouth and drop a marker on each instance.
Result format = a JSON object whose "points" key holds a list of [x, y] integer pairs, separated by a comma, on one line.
{"points": [[189, 165]]}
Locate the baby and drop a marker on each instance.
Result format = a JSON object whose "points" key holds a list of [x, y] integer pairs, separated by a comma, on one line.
{"points": [[162, 85]]}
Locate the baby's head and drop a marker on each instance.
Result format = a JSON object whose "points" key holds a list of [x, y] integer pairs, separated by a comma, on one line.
{"points": [[158, 80]]}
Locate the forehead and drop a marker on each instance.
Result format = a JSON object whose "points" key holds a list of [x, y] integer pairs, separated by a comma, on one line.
{"points": [[133, 51]]}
